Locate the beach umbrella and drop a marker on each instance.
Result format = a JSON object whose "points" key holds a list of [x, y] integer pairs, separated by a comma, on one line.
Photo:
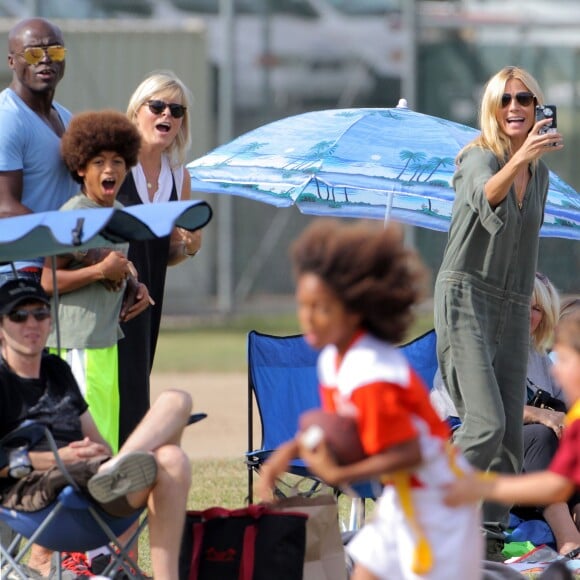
{"points": [[57, 232], [381, 163]]}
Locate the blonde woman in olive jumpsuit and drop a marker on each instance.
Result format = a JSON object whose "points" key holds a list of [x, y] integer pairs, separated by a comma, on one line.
{"points": [[484, 285]]}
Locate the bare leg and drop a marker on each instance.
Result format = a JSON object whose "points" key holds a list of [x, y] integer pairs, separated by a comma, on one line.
{"points": [[40, 559], [163, 424], [160, 433], [560, 520], [167, 503]]}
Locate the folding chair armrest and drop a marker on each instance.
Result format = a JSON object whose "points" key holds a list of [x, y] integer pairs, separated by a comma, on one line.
{"points": [[196, 417], [27, 434], [258, 456]]}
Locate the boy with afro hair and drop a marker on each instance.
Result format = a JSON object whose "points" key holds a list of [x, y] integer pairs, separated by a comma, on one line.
{"points": [[97, 289], [99, 148]]}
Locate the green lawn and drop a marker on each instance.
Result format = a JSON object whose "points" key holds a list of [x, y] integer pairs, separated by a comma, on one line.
{"points": [[222, 347]]}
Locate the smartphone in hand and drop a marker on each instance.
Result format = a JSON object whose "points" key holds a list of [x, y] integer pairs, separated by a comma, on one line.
{"points": [[547, 112]]}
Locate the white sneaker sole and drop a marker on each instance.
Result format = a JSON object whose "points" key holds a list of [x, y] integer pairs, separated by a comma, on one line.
{"points": [[131, 472]]}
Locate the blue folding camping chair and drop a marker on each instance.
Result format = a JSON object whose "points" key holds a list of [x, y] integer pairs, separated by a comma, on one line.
{"points": [[283, 380], [421, 352], [71, 523]]}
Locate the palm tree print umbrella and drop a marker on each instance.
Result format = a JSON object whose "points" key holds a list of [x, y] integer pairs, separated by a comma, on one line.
{"points": [[364, 163]]}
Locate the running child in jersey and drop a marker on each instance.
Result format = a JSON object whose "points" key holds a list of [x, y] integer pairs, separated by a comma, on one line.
{"points": [[356, 289]]}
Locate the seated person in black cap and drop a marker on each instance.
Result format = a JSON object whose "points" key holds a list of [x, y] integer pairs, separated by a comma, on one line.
{"points": [[150, 470]]}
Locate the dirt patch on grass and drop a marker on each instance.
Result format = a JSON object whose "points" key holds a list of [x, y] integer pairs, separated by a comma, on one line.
{"points": [[223, 396]]}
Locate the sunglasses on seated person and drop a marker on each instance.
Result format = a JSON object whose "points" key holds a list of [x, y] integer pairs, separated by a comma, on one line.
{"points": [[525, 99], [157, 107], [34, 54], [21, 315]]}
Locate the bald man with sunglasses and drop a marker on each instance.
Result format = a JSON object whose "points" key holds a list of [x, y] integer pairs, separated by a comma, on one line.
{"points": [[33, 177]]}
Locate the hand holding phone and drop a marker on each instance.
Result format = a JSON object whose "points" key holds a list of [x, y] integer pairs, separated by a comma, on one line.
{"points": [[547, 112]]}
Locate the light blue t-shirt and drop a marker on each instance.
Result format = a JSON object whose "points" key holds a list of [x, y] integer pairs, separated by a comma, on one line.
{"points": [[29, 144]]}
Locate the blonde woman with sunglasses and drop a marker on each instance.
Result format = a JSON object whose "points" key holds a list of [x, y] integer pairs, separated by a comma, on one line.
{"points": [[160, 109], [484, 286]]}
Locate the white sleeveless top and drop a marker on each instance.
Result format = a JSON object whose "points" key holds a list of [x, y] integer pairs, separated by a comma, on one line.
{"points": [[165, 182]]}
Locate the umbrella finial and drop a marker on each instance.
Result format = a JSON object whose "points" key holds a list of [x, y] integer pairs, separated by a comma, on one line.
{"points": [[402, 104]]}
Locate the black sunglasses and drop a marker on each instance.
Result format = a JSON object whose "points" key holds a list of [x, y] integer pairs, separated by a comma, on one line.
{"points": [[525, 99], [20, 316], [157, 107]]}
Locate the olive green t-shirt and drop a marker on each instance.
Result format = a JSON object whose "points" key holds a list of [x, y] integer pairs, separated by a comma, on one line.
{"points": [[89, 316], [498, 246]]}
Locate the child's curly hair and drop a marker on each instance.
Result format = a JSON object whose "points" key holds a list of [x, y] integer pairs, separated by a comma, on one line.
{"points": [[568, 331], [92, 132], [368, 268]]}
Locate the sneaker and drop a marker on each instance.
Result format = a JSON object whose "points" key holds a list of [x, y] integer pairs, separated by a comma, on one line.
{"points": [[73, 565], [127, 473], [494, 550], [100, 562]]}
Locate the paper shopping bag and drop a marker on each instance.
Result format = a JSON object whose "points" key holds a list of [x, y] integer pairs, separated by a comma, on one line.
{"points": [[324, 558]]}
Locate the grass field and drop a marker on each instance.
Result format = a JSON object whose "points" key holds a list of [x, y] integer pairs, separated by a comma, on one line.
{"points": [[221, 347]]}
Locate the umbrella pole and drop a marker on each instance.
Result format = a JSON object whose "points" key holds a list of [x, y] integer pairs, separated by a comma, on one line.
{"points": [[55, 297], [388, 208]]}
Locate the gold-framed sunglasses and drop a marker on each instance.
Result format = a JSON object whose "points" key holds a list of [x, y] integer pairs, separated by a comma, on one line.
{"points": [[34, 54]]}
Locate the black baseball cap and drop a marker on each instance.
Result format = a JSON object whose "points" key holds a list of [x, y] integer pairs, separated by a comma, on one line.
{"points": [[13, 292]]}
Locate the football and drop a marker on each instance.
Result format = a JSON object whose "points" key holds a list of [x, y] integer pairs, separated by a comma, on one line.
{"points": [[340, 434]]}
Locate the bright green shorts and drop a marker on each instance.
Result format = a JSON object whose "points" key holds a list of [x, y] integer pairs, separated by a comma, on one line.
{"points": [[97, 373]]}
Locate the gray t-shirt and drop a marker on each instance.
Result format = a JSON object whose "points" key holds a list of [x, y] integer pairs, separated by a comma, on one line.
{"points": [[540, 376]]}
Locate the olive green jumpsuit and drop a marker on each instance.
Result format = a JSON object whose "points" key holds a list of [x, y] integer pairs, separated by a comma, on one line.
{"points": [[482, 316]]}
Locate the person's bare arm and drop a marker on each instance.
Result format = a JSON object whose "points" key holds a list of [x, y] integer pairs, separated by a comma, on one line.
{"points": [[551, 419], [406, 455], [276, 464], [538, 488], [11, 194], [113, 267], [184, 244], [186, 187], [90, 430], [92, 445], [535, 145]]}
